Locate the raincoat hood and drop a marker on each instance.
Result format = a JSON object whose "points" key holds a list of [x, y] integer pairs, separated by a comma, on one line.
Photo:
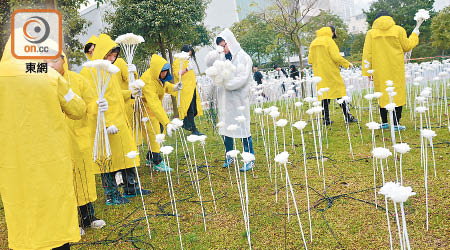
{"points": [[325, 31], [383, 23], [66, 67], [158, 64], [229, 38], [103, 46], [93, 40]]}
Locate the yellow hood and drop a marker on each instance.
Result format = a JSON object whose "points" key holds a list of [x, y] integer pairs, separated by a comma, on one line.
{"points": [[103, 46], [325, 31], [156, 65], [383, 23], [66, 67], [93, 40]]}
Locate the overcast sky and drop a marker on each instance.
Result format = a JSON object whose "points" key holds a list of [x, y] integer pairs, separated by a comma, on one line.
{"points": [[359, 4]]}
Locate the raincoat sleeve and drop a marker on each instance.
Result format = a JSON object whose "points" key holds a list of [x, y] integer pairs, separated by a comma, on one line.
{"points": [[408, 43], [168, 88], [126, 95], [241, 79], [89, 97], [71, 104], [154, 104], [336, 56], [367, 54], [124, 75]]}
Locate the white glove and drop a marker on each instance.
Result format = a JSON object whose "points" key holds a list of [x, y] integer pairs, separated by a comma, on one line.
{"points": [[418, 24], [112, 130], [178, 86], [170, 128], [131, 68], [102, 105]]}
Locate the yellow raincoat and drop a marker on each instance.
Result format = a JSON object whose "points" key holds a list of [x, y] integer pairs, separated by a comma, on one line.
{"points": [[122, 142], [81, 139], [153, 92], [189, 86], [383, 52], [92, 40], [123, 77], [325, 60], [36, 175]]}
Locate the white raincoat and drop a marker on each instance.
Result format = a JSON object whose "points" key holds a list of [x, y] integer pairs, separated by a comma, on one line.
{"points": [[235, 92]]}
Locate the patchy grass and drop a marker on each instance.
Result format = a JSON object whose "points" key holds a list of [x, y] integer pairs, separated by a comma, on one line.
{"points": [[342, 217]]}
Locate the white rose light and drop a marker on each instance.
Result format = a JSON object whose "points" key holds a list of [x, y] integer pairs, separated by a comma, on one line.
{"points": [[132, 154], [160, 138], [166, 150], [373, 125], [299, 125], [282, 157], [281, 123]]}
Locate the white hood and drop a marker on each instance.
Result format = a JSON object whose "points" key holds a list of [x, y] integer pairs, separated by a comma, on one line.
{"points": [[233, 44]]}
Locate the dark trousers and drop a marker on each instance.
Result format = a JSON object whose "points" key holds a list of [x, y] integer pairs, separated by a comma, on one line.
{"points": [[63, 247], [129, 181], [154, 157], [397, 115], [326, 110], [86, 214], [189, 121], [246, 142]]}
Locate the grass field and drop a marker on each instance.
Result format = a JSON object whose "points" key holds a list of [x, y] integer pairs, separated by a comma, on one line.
{"points": [[343, 217]]}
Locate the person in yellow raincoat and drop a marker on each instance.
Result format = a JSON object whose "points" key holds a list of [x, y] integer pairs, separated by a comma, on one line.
{"points": [[123, 77], [156, 80], [325, 60], [36, 175], [90, 46], [118, 128], [190, 103], [81, 138], [383, 53]]}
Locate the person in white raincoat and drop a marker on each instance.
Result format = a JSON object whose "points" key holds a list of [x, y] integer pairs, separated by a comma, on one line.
{"points": [[233, 95]]}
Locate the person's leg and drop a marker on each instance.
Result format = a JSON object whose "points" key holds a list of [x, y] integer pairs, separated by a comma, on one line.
{"points": [[63, 247], [228, 141], [109, 183], [384, 115], [384, 118], [131, 187], [84, 214], [248, 145], [326, 111], [113, 196], [129, 180], [397, 115]]}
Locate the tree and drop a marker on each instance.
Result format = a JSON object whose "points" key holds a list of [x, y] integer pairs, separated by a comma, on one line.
{"points": [[325, 18], [165, 25], [73, 23], [255, 37], [440, 30], [403, 12], [288, 17]]}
